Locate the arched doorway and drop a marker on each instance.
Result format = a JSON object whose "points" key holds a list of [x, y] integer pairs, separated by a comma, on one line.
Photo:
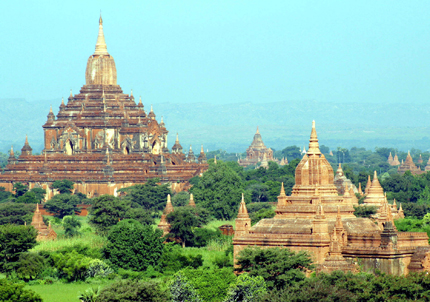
{"points": [[126, 150], [155, 147], [69, 147]]}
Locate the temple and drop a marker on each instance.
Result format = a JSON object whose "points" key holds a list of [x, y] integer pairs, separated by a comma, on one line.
{"points": [[257, 152], [44, 232], [317, 220], [409, 165], [341, 182], [102, 140]]}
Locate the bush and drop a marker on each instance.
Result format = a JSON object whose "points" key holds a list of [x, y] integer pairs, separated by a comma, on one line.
{"points": [[133, 290], [364, 211], [90, 295], [71, 226], [134, 246], [246, 288], [84, 250], [71, 266], [97, 268], [202, 236], [173, 260], [210, 284], [16, 213], [62, 205], [182, 290], [14, 240], [279, 267], [29, 266], [16, 293]]}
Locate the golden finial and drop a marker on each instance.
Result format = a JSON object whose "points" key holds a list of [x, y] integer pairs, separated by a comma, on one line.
{"points": [[258, 131], [101, 48]]}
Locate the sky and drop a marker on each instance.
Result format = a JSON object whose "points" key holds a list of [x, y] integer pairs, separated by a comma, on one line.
{"points": [[222, 52]]}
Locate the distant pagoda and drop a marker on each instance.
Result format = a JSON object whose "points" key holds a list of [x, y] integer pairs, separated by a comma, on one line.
{"points": [[409, 165], [257, 152]]}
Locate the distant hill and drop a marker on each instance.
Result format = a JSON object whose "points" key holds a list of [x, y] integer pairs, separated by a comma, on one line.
{"points": [[231, 127]]}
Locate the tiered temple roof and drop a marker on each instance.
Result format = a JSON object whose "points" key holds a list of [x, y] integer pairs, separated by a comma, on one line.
{"points": [[316, 219], [409, 165], [257, 152], [99, 121]]}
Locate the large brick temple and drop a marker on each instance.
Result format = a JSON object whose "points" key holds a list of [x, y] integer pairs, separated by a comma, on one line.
{"points": [[315, 218], [102, 140]]}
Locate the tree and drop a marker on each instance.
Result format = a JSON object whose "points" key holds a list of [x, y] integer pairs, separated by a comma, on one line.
{"points": [[364, 211], [29, 266], [28, 197], [279, 267], [219, 191], [106, 211], [19, 189], [71, 266], [246, 288], [63, 204], [139, 214], [71, 224], [210, 284], [182, 290], [133, 291], [181, 199], [150, 195], [183, 220], [10, 291], [16, 213], [4, 195], [64, 186], [173, 259], [133, 246], [39, 193], [15, 240]]}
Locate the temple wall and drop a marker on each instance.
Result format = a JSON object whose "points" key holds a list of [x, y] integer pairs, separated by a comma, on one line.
{"points": [[396, 266]]}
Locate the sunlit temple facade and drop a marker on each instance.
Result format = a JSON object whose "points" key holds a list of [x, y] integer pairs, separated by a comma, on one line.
{"points": [[102, 140], [316, 219]]}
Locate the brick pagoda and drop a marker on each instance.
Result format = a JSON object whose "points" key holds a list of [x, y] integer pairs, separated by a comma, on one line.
{"points": [[102, 140], [316, 219], [257, 152]]}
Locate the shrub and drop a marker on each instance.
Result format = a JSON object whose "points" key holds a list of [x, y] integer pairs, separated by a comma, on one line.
{"points": [[132, 290], [71, 225], [364, 211], [29, 266], [202, 236], [13, 292], [134, 246], [182, 290], [172, 259], [97, 268], [71, 266], [246, 288], [90, 295], [210, 284]]}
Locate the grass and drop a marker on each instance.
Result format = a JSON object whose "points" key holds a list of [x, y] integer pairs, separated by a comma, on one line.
{"points": [[87, 238], [214, 224], [63, 292]]}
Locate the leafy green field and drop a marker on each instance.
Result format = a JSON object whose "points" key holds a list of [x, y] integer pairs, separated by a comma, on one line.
{"points": [[63, 292]]}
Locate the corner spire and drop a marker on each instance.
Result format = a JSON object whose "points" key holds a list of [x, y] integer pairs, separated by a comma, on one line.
{"points": [[101, 48], [282, 190], [243, 211], [192, 203]]}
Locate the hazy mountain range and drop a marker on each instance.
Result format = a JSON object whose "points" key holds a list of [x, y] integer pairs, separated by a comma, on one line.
{"points": [[231, 127]]}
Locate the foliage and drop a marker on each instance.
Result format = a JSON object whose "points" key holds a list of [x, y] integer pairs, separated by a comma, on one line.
{"points": [[183, 220], [28, 197], [202, 236], [364, 211], [411, 209], [182, 290], [219, 191], [181, 199], [29, 266], [134, 246], [15, 240], [246, 288], [133, 290], [62, 205], [15, 213], [173, 259], [413, 224], [90, 295], [12, 292], [71, 266], [279, 267], [71, 225], [4, 195], [150, 195], [139, 214], [64, 186], [210, 284], [98, 268], [261, 214], [20, 189]]}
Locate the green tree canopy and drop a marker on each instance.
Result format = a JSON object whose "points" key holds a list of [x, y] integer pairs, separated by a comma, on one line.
{"points": [[279, 267], [219, 191], [151, 196], [13, 292], [15, 240], [63, 204], [134, 291], [64, 186], [20, 189], [133, 246], [16, 213]]}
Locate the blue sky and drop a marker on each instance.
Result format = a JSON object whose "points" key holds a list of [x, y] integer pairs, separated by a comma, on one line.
{"points": [[222, 51]]}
